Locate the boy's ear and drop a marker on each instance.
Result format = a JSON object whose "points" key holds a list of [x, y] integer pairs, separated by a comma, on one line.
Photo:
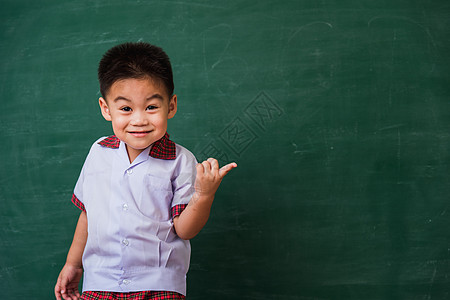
{"points": [[172, 107], [104, 109]]}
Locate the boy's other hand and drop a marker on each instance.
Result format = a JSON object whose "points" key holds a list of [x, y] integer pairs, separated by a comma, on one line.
{"points": [[209, 177], [67, 285]]}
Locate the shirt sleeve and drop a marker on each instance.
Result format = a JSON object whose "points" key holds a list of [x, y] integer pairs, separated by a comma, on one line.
{"points": [[183, 184], [77, 197], [78, 203]]}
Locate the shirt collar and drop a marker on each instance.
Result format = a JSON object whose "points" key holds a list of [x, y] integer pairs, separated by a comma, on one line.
{"points": [[162, 148]]}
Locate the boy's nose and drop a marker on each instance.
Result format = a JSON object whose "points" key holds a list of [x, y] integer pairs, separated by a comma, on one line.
{"points": [[139, 119]]}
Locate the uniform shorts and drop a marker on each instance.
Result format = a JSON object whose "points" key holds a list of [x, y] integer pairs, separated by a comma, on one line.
{"points": [[144, 295]]}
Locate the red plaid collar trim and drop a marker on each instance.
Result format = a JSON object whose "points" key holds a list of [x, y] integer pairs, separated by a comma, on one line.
{"points": [[162, 148]]}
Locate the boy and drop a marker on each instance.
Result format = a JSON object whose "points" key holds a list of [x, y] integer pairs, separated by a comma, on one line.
{"points": [[142, 197]]}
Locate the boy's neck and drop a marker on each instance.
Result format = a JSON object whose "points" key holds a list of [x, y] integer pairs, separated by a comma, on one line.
{"points": [[133, 153]]}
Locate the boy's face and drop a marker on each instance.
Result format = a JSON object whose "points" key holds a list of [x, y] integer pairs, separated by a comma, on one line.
{"points": [[139, 110]]}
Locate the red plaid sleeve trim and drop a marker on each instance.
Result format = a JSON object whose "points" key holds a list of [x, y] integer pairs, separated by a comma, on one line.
{"points": [[143, 295], [163, 148], [78, 203], [178, 209]]}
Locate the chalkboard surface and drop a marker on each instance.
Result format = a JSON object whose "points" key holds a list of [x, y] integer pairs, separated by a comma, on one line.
{"points": [[337, 112]]}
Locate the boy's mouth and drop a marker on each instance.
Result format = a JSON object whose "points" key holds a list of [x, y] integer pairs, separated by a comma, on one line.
{"points": [[139, 133]]}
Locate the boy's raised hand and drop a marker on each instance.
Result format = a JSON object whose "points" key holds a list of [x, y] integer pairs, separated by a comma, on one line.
{"points": [[209, 177]]}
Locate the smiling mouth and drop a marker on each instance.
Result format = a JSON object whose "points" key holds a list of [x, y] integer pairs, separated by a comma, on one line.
{"points": [[139, 133]]}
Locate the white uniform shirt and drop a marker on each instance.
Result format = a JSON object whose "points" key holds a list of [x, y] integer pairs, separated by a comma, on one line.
{"points": [[132, 245]]}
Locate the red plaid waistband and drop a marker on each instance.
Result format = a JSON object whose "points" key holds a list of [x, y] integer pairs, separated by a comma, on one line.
{"points": [[143, 295]]}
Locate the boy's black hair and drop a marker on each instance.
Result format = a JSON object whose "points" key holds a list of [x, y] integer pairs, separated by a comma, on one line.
{"points": [[134, 60]]}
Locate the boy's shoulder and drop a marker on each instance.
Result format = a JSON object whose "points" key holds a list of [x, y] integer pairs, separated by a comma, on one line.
{"points": [[183, 152]]}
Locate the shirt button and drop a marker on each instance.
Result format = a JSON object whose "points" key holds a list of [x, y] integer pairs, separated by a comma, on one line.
{"points": [[125, 242], [125, 207], [130, 171], [126, 281]]}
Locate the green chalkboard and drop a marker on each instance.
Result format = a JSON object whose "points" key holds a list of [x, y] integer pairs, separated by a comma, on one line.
{"points": [[337, 112]]}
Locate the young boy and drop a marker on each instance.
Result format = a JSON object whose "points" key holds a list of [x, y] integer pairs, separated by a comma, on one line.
{"points": [[142, 197]]}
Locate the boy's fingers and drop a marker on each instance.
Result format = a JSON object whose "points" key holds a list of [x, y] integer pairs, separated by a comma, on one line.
{"points": [[63, 287], [214, 163], [57, 292], [58, 296], [200, 168], [58, 289], [206, 165], [73, 295], [227, 168]]}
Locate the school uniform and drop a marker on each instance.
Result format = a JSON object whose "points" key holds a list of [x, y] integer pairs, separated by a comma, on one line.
{"points": [[132, 245]]}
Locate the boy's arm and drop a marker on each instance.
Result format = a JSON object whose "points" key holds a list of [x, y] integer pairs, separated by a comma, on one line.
{"points": [[67, 285], [189, 223]]}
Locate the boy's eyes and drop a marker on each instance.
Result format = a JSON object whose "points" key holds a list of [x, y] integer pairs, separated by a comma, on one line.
{"points": [[128, 109]]}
